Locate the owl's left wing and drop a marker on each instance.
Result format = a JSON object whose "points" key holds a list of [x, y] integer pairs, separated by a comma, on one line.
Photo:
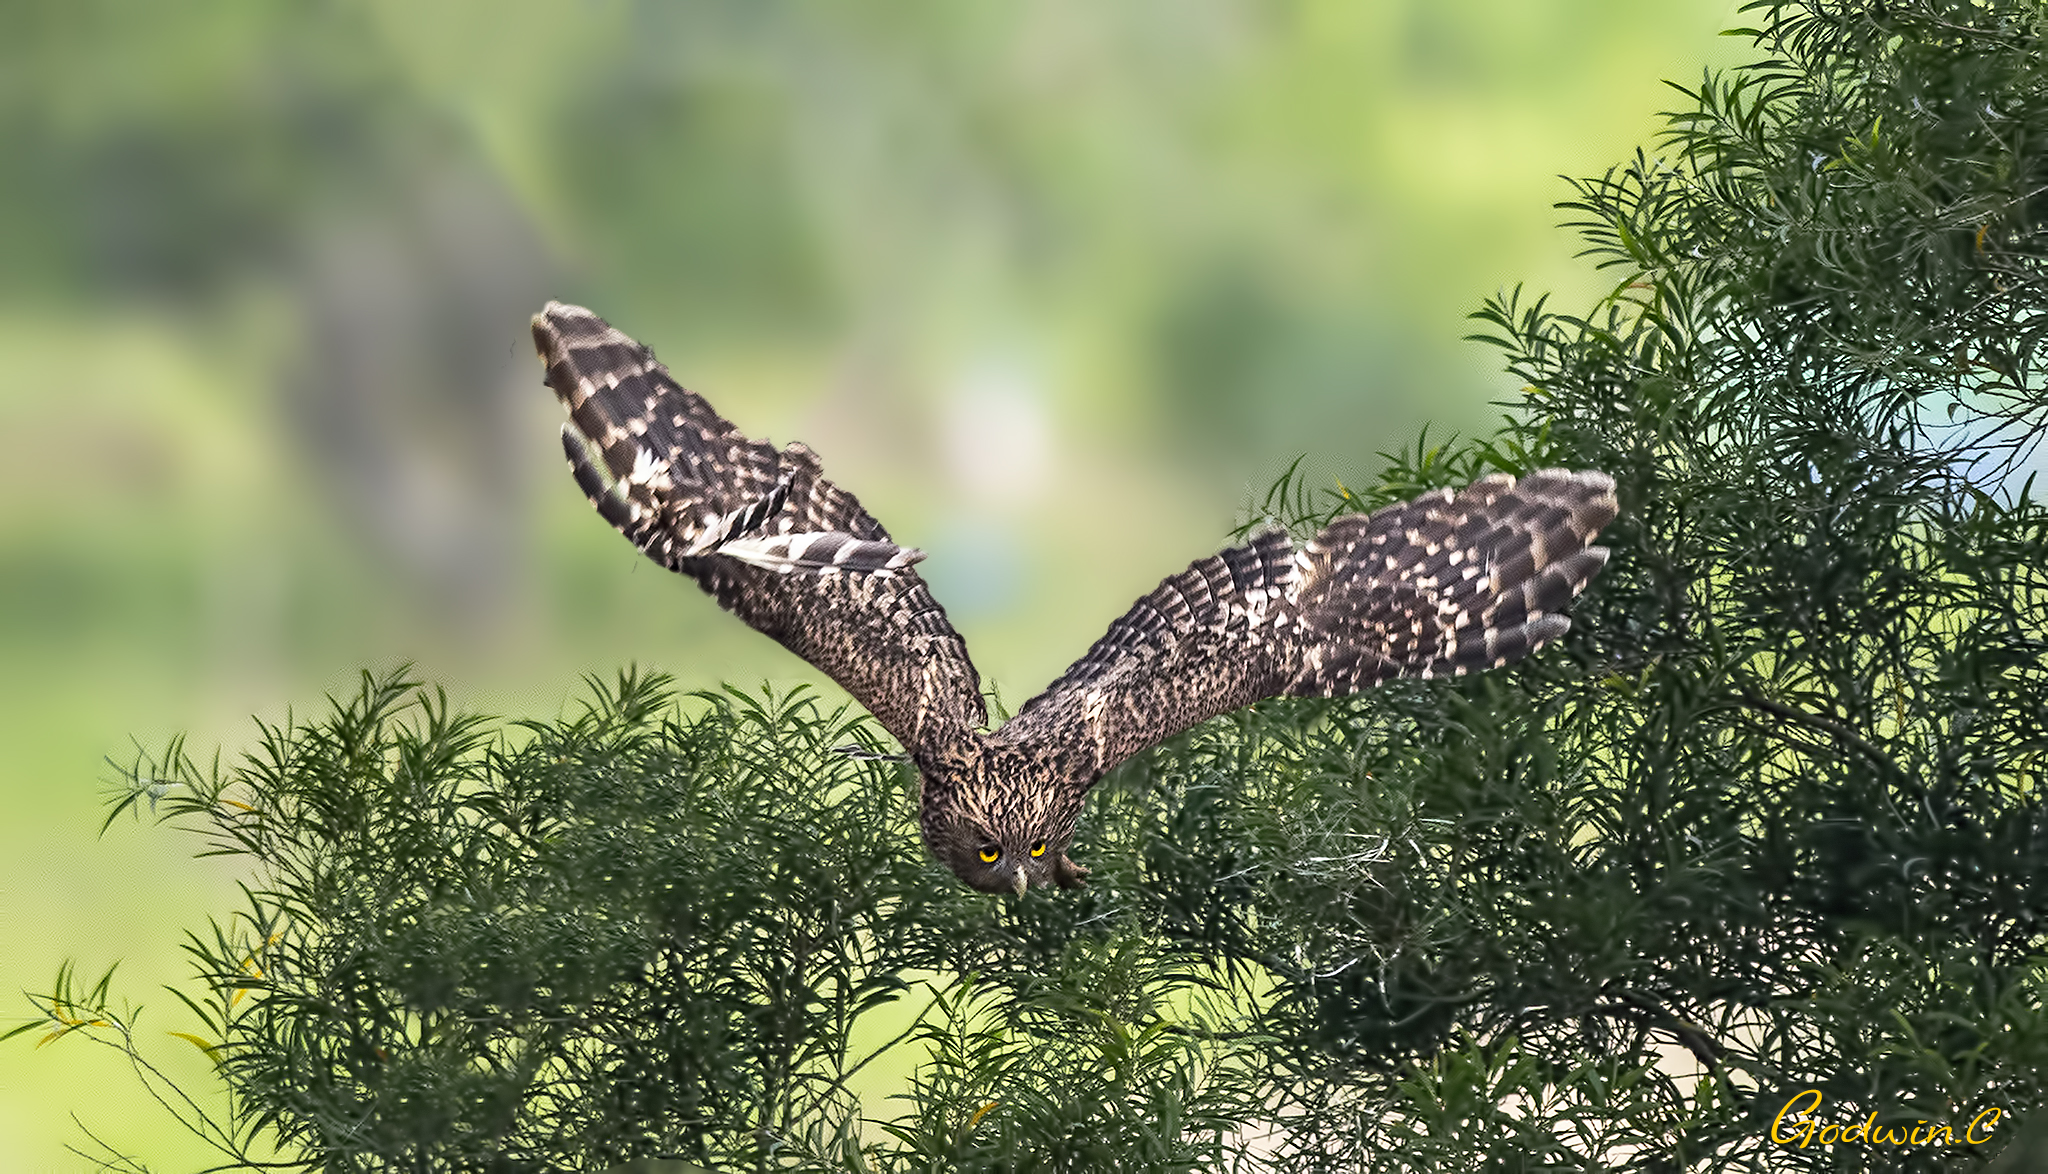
{"points": [[1441, 585], [760, 529]]}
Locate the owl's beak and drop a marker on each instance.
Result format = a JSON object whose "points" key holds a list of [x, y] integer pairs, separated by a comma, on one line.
{"points": [[1020, 882]]}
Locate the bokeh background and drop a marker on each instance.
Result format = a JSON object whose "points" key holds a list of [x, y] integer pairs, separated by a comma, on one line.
{"points": [[1056, 287]]}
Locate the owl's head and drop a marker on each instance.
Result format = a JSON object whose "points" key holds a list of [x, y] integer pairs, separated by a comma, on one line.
{"points": [[996, 861], [997, 828]]}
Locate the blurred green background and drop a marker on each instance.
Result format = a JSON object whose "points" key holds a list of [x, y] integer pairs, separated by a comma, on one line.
{"points": [[1055, 287]]}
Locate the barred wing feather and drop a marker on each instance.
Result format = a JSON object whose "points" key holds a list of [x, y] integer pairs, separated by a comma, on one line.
{"points": [[760, 529], [1445, 584]]}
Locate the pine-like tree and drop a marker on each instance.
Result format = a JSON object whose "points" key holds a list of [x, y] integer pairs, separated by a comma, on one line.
{"points": [[1771, 820]]}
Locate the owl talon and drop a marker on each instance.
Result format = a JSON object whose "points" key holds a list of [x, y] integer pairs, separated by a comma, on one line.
{"points": [[1069, 874]]}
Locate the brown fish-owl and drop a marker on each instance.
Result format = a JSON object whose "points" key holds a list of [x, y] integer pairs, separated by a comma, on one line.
{"points": [[1441, 585]]}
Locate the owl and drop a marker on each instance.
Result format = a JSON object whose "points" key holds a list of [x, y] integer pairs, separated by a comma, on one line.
{"points": [[1444, 584]]}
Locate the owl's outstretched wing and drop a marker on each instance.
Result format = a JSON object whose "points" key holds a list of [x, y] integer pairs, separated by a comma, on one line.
{"points": [[1441, 585], [761, 530]]}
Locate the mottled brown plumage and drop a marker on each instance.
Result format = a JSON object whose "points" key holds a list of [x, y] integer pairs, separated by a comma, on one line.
{"points": [[1444, 584]]}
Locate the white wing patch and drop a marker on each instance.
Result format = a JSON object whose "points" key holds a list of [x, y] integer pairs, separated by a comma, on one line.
{"points": [[820, 552]]}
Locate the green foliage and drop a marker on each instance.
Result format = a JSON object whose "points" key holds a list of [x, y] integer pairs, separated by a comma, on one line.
{"points": [[1770, 820], [649, 933]]}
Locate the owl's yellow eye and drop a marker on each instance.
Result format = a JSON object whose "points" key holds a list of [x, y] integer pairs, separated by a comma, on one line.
{"points": [[1038, 849], [990, 853]]}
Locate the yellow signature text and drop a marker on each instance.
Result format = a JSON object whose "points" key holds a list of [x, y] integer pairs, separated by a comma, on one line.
{"points": [[1805, 1127]]}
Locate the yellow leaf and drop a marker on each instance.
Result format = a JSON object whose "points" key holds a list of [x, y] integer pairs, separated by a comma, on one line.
{"points": [[980, 1113], [70, 1025], [212, 1050]]}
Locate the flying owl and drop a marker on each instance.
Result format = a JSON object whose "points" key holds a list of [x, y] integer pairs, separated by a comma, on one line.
{"points": [[1444, 584]]}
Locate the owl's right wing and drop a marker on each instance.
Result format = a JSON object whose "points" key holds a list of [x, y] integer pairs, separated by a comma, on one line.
{"points": [[1441, 585], [761, 530]]}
